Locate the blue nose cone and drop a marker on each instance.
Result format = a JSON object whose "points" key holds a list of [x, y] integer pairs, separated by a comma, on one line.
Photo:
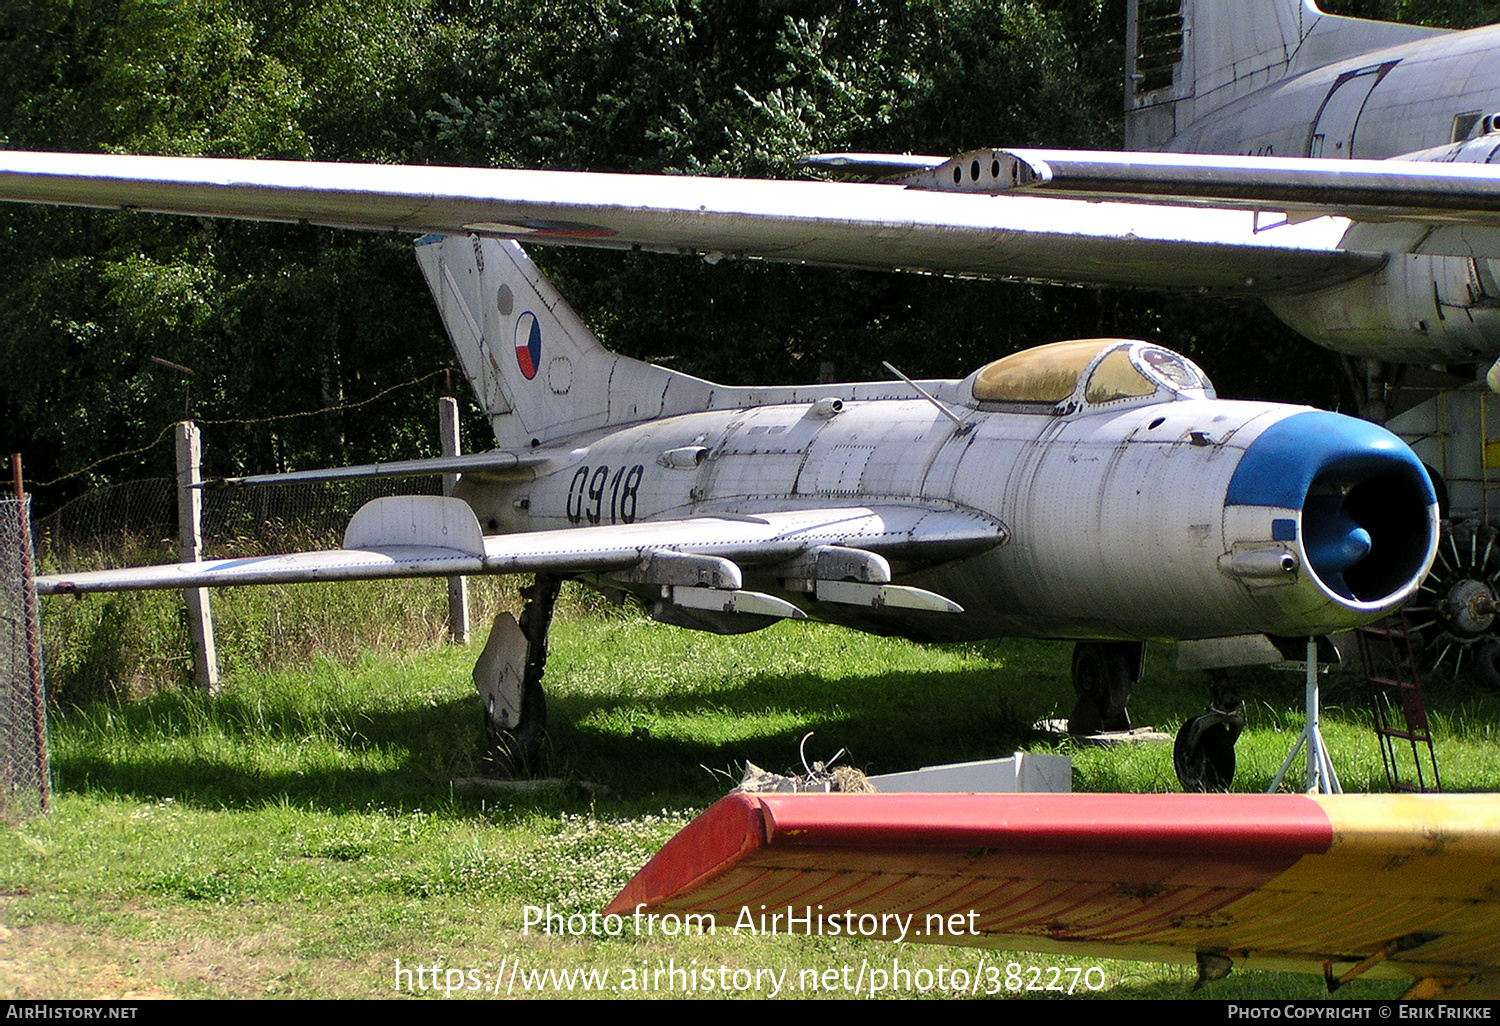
{"points": [[1334, 541], [1366, 500]]}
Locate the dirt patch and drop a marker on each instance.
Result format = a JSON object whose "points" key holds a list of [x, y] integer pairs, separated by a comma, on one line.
{"points": [[49, 961], [148, 958]]}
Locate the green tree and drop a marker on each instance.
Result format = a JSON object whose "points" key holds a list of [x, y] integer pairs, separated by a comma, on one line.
{"points": [[274, 319], [282, 319]]}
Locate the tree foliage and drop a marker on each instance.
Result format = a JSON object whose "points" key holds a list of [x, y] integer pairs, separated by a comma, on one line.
{"points": [[277, 320], [272, 319]]}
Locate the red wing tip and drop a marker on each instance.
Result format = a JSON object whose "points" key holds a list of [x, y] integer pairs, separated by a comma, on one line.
{"points": [[721, 836], [1276, 826]]}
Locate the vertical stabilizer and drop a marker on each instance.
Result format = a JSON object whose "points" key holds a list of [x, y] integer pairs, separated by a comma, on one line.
{"points": [[1186, 59], [535, 367]]}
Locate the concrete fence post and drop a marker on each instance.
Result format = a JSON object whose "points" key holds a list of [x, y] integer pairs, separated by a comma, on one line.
{"points": [[190, 550]]}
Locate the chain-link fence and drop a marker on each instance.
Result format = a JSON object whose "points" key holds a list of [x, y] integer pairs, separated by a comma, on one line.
{"points": [[129, 644], [24, 781], [124, 644], [135, 523], [119, 525]]}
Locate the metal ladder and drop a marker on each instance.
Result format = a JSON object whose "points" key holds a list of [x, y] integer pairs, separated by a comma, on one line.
{"points": [[1390, 665]]}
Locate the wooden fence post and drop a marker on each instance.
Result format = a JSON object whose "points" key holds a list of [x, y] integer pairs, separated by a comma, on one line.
{"points": [[190, 550]]}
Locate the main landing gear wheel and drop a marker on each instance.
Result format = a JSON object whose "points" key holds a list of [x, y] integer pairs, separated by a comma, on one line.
{"points": [[1203, 755], [1454, 611], [1103, 673], [509, 678]]}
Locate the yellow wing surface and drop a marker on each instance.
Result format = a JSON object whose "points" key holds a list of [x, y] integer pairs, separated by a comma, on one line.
{"points": [[1343, 885]]}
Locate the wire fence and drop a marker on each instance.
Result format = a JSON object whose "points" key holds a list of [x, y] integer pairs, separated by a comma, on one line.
{"points": [[135, 522], [121, 646], [129, 644], [24, 770]]}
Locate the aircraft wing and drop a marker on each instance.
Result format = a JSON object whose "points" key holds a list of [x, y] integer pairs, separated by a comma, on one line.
{"points": [[1440, 203], [431, 536], [1389, 885], [850, 224], [495, 462]]}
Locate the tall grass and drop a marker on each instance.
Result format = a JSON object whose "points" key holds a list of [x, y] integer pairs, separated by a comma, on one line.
{"points": [[131, 645]]}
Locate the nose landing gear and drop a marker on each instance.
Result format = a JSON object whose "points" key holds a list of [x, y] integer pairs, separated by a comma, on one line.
{"points": [[1203, 754]]}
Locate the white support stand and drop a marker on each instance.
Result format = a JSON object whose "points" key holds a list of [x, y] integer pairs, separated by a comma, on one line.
{"points": [[458, 587], [1321, 779], [190, 550]]}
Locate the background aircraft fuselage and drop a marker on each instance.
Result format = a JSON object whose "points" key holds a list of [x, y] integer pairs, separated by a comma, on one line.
{"points": [[1279, 78]]}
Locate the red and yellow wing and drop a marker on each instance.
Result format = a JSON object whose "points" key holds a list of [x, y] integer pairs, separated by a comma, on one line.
{"points": [[1392, 885]]}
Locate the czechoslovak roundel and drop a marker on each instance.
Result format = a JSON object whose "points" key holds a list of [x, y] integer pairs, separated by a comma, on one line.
{"points": [[528, 344]]}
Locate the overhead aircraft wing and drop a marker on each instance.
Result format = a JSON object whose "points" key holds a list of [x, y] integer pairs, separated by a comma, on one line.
{"points": [[1388, 885], [431, 536], [1444, 202], [847, 224]]}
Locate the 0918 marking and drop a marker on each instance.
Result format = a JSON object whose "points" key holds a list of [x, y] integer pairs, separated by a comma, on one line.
{"points": [[589, 487]]}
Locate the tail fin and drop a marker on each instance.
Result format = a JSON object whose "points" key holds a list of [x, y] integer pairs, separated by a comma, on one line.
{"points": [[536, 368], [1186, 59]]}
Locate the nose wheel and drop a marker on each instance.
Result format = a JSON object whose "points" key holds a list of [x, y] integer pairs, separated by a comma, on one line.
{"points": [[1203, 755], [1455, 609]]}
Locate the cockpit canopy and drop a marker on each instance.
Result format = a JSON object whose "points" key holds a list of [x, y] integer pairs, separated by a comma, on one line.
{"points": [[1091, 372]]}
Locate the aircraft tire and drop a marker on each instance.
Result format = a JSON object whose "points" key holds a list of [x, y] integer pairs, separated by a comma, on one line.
{"points": [[1203, 754], [1487, 666], [516, 753], [1101, 681]]}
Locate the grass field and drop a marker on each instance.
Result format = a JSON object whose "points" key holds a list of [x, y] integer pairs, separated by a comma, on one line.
{"points": [[297, 836]]}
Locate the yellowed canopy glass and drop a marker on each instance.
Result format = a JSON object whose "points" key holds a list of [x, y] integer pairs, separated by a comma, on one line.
{"points": [[1046, 374], [1116, 378]]}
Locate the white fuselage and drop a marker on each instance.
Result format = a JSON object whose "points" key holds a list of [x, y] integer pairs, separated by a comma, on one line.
{"points": [[1116, 520], [1373, 106]]}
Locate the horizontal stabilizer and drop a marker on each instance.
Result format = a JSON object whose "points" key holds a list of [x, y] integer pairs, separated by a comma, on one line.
{"points": [[497, 461], [873, 165], [1410, 189]]}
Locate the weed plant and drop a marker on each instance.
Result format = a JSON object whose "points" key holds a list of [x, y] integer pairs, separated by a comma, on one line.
{"points": [[131, 645]]}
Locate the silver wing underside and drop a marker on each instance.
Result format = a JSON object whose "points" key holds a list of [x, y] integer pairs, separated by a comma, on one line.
{"points": [[1235, 225], [884, 226], [429, 536]]}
